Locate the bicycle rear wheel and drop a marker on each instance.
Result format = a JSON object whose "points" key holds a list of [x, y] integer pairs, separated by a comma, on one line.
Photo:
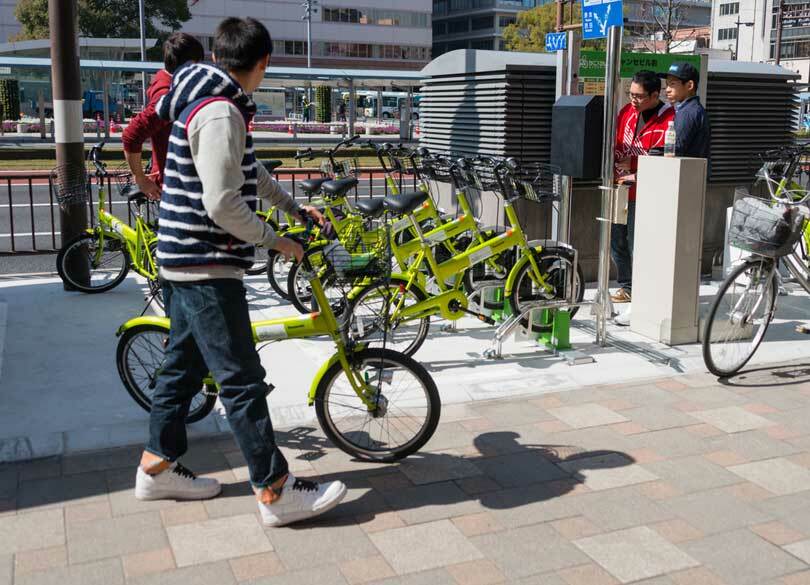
{"points": [[739, 316], [91, 266], [139, 357], [405, 406]]}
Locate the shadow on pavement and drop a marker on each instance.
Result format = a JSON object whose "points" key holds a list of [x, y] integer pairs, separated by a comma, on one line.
{"points": [[770, 376]]}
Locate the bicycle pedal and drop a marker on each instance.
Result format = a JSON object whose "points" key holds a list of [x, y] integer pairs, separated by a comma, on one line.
{"points": [[803, 329], [270, 388]]}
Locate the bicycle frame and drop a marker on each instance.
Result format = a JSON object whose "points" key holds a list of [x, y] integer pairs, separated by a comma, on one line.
{"points": [[320, 324], [137, 241]]}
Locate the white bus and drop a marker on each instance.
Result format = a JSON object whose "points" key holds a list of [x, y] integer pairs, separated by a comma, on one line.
{"points": [[392, 104]]}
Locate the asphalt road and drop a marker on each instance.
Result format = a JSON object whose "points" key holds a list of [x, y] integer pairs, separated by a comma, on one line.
{"points": [[34, 219]]}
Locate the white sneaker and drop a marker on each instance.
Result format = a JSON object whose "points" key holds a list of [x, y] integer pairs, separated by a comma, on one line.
{"points": [[301, 499], [174, 483], [623, 318]]}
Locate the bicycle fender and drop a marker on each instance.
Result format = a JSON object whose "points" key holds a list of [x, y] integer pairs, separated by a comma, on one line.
{"points": [[146, 320], [317, 379]]}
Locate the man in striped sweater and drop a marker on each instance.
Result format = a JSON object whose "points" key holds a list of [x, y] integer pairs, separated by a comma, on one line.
{"points": [[207, 236]]}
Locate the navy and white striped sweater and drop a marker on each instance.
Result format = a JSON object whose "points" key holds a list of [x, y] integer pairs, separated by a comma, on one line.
{"points": [[187, 235]]}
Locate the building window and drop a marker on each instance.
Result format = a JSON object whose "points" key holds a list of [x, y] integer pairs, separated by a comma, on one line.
{"points": [[505, 21], [727, 34], [439, 28], [457, 26], [485, 44], [377, 17], [483, 22], [729, 8]]}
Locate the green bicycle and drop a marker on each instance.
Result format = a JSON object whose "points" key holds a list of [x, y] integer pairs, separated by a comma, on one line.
{"points": [[99, 259], [372, 403], [398, 311]]}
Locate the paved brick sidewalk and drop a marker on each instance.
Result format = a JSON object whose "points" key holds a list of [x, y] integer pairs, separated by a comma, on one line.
{"points": [[677, 481]]}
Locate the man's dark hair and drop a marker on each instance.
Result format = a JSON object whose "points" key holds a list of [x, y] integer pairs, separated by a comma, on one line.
{"points": [[239, 43], [648, 80], [179, 48]]}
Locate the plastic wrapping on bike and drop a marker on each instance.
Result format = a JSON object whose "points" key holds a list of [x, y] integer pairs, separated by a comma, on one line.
{"points": [[764, 227]]}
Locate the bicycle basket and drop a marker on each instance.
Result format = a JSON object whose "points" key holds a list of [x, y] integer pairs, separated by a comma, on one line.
{"points": [[343, 168], [764, 227], [71, 184], [401, 160], [536, 182], [361, 256]]}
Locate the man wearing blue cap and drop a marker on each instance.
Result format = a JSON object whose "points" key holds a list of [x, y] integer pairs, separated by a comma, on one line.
{"points": [[693, 135]]}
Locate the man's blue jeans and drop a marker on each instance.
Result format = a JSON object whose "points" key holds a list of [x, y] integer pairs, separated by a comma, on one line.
{"points": [[210, 332], [621, 248]]}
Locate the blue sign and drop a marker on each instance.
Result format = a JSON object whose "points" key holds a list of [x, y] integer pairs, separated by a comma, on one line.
{"points": [[556, 42], [599, 15]]}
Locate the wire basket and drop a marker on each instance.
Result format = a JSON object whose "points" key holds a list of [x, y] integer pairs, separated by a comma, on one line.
{"points": [[359, 254], [404, 160], [442, 169], [71, 184], [342, 168], [763, 226], [537, 182]]}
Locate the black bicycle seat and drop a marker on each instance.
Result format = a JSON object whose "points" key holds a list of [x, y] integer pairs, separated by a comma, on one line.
{"points": [[133, 194], [370, 207], [272, 165], [310, 186], [405, 203], [338, 187]]}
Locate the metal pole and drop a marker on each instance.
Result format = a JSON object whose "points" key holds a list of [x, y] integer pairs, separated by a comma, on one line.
{"points": [[569, 86], [106, 95], [41, 109], [604, 308], [352, 107], [737, 40], [779, 24], [67, 108], [143, 46]]}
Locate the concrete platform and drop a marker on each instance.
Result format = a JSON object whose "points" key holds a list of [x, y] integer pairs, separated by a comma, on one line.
{"points": [[60, 392]]}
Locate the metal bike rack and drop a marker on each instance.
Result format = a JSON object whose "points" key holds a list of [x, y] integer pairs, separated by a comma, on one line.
{"points": [[509, 326]]}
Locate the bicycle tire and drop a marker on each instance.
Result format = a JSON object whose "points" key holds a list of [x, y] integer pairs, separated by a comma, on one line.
{"points": [[260, 265], [277, 280], [64, 262], [387, 360], [712, 321], [298, 286], [399, 285], [547, 257], [202, 404]]}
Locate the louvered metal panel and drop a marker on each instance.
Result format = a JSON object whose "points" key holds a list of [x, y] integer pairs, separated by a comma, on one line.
{"points": [[748, 114], [484, 102], [497, 103]]}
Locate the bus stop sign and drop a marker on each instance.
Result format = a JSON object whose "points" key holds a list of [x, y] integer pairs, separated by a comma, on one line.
{"points": [[599, 15], [556, 42]]}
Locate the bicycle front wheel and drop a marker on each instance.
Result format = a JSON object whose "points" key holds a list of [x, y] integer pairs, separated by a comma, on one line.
{"points": [[92, 265], [398, 417], [739, 316], [139, 357]]}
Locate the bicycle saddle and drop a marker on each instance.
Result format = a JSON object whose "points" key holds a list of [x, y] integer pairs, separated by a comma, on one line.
{"points": [[405, 203], [272, 165], [370, 207], [338, 187], [312, 185]]}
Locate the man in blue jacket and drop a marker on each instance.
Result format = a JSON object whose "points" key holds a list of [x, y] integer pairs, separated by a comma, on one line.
{"points": [[691, 121]]}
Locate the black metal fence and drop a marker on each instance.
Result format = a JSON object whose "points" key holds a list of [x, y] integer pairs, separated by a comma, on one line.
{"points": [[29, 216]]}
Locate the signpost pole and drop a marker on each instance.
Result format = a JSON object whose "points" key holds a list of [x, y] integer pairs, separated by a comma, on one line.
{"points": [[604, 308]]}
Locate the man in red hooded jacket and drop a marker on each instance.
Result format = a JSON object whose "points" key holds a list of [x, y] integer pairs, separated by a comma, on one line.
{"points": [[178, 49], [641, 127]]}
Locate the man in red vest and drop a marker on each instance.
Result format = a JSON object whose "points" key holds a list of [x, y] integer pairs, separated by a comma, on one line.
{"points": [[640, 130], [178, 49]]}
